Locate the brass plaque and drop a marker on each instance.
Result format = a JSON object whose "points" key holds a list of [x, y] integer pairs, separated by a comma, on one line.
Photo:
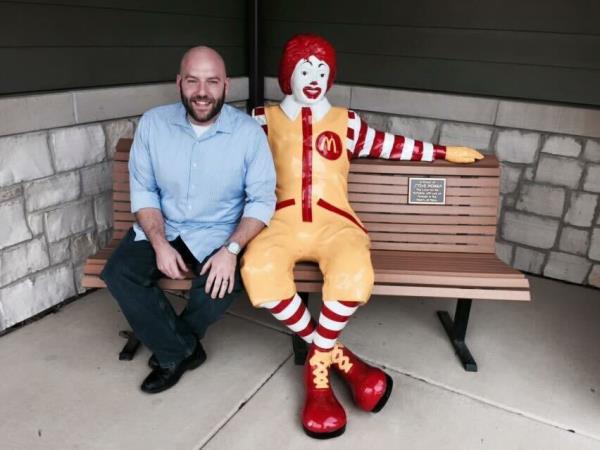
{"points": [[427, 191]]}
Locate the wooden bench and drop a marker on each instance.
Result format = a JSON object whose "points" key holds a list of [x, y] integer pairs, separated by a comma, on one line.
{"points": [[418, 250]]}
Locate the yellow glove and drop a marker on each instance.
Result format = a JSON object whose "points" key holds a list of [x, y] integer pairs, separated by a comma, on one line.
{"points": [[462, 154]]}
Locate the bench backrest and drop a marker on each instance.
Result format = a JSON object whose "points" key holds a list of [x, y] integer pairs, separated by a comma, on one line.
{"points": [[378, 193]]}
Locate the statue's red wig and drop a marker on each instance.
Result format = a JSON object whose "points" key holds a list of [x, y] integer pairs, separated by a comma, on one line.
{"points": [[301, 47]]}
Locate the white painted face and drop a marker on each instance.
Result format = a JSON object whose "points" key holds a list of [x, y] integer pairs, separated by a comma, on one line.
{"points": [[309, 80]]}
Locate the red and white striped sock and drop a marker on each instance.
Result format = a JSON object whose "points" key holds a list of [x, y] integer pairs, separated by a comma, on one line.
{"points": [[294, 314], [334, 317]]}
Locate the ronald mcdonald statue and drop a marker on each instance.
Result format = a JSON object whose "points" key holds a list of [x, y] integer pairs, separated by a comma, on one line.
{"points": [[313, 144]]}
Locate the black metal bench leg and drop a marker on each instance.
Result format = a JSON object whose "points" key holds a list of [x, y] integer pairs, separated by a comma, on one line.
{"points": [[299, 345], [128, 351], [457, 330]]}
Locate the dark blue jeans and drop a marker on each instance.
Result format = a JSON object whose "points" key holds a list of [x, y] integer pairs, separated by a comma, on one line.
{"points": [[131, 276]]}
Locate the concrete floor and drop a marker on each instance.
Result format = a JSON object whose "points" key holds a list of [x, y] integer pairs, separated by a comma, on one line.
{"points": [[538, 385]]}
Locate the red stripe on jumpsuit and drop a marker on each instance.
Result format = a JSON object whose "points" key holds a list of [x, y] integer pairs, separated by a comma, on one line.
{"points": [[306, 165]]}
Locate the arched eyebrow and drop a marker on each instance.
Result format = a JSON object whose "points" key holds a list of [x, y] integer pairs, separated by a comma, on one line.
{"points": [[322, 64], [306, 60]]}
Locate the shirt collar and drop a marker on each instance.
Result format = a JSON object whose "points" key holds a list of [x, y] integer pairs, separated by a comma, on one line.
{"points": [[291, 108], [223, 124]]}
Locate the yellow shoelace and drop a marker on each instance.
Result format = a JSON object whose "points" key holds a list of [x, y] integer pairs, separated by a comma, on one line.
{"points": [[320, 363], [337, 357]]}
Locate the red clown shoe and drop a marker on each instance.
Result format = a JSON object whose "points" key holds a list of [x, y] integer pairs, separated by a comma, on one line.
{"points": [[322, 417], [371, 387]]}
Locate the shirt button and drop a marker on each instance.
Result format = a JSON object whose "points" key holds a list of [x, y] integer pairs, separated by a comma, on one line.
{"points": [[194, 165], [189, 206], [193, 186]]}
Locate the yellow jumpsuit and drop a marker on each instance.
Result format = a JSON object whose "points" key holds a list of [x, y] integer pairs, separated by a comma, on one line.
{"points": [[313, 220]]}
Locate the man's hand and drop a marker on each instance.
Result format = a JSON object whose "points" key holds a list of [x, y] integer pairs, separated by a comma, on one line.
{"points": [[221, 277], [462, 154], [170, 262]]}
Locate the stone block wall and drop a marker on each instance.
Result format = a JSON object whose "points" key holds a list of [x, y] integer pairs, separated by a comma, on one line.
{"points": [[56, 154], [55, 210]]}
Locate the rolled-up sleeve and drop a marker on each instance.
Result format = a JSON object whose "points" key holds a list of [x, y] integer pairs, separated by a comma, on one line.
{"points": [[142, 182], [260, 180]]}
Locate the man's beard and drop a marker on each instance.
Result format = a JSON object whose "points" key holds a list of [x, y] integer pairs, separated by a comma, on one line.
{"points": [[217, 105]]}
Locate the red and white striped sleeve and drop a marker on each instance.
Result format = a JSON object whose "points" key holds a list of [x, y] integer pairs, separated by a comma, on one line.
{"points": [[363, 141], [259, 115]]}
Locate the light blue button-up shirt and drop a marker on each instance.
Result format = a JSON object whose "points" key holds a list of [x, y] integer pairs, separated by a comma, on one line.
{"points": [[203, 185]]}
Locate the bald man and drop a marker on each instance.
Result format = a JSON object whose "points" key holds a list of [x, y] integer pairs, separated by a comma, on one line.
{"points": [[202, 186]]}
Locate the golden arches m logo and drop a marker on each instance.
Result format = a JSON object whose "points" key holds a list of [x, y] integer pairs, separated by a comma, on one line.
{"points": [[329, 145]]}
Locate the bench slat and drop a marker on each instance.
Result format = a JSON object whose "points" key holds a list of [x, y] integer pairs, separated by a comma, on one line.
{"points": [[454, 181], [428, 209], [432, 291], [398, 199], [433, 229], [367, 217]]}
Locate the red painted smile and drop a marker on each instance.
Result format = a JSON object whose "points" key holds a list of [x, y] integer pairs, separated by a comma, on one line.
{"points": [[312, 92]]}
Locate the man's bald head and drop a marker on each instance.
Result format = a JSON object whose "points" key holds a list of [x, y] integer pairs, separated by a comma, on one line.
{"points": [[204, 56]]}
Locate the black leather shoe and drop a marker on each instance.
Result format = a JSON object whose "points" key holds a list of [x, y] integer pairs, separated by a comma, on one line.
{"points": [[161, 379]]}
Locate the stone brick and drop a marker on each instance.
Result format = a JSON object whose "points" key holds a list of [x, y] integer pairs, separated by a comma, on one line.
{"points": [[78, 272], [574, 240], [465, 135], [59, 251], [567, 267], [500, 205], [544, 200], [529, 260], [77, 147], [529, 173], [96, 179], [83, 246], [509, 178], [594, 252], [592, 151], [560, 171], [516, 146], [24, 113], [582, 208], [529, 230], [592, 178], [116, 130], [13, 226], [562, 145], [52, 191], [103, 211], [71, 219], [421, 129], [23, 158], [22, 260], [374, 120], [11, 193], [35, 294], [594, 278], [94, 105], [504, 251], [104, 237], [561, 119], [510, 201], [36, 222], [460, 108]]}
